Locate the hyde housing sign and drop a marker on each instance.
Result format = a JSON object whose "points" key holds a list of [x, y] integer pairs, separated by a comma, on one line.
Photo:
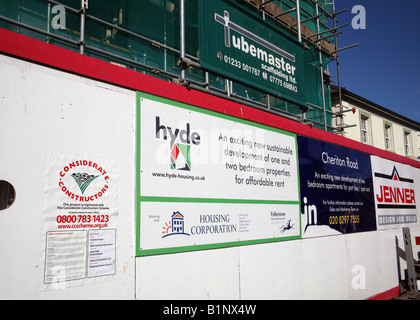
{"points": [[208, 180], [241, 46]]}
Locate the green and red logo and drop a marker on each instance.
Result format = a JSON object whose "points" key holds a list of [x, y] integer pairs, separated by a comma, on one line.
{"points": [[179, 144], [83, 174]]}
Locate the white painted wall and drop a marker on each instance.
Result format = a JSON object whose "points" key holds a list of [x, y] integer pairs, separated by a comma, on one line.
{"points": [[44, 110], [354, 266]]}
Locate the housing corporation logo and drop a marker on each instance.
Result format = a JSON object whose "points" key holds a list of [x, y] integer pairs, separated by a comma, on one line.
{"points": [[180, 141], [203, 224], [175, 226]]}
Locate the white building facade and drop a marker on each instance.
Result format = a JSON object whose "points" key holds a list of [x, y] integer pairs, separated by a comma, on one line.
{"points": [[367, 122]]}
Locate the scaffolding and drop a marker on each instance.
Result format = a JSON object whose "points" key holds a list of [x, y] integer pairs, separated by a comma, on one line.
{"points": [[317, 30]]}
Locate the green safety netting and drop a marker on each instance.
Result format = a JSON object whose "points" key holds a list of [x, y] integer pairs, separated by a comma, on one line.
{"points": [[152, 42]]}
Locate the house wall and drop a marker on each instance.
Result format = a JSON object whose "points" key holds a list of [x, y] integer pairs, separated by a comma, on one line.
{"points": [[376, 127]]}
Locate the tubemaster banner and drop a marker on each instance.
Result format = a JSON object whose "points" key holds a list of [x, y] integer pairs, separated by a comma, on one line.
{"points": [[251, 51]]}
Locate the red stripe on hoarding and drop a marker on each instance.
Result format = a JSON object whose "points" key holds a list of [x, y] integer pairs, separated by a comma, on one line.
{"points": [[37, 51], [386, 295]]}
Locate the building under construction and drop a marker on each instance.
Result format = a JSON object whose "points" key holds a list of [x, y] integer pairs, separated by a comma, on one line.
{"points": [[177, 149]]}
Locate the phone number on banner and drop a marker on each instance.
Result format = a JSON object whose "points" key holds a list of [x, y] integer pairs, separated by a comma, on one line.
{"points": [[82, 221]]}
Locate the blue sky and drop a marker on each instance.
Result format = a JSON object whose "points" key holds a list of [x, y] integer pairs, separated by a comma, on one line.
{"points": [[385, 67]]}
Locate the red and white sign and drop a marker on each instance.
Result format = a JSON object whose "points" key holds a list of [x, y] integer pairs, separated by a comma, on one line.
{"points": [[394, 186]]}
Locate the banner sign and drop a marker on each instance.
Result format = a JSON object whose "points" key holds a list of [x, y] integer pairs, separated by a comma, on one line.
{"points": [[395, 189], [80, 220], [251, 51], [208, 180], [336, 189]]}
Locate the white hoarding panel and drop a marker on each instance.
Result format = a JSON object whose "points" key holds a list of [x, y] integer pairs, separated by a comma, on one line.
{"points": [[68, 149]]}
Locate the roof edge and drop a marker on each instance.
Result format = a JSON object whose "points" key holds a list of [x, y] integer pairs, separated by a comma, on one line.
{"points": [[353, 97]]}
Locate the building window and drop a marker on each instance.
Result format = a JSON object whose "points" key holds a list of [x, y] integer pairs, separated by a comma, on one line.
{"points": [[407, 142], [388, 136], [364, 125]]}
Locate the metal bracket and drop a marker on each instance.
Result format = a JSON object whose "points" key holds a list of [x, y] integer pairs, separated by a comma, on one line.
{"points": [[185, 63], [182, 82], [407, 255], [264, 3], [353, 110]]}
